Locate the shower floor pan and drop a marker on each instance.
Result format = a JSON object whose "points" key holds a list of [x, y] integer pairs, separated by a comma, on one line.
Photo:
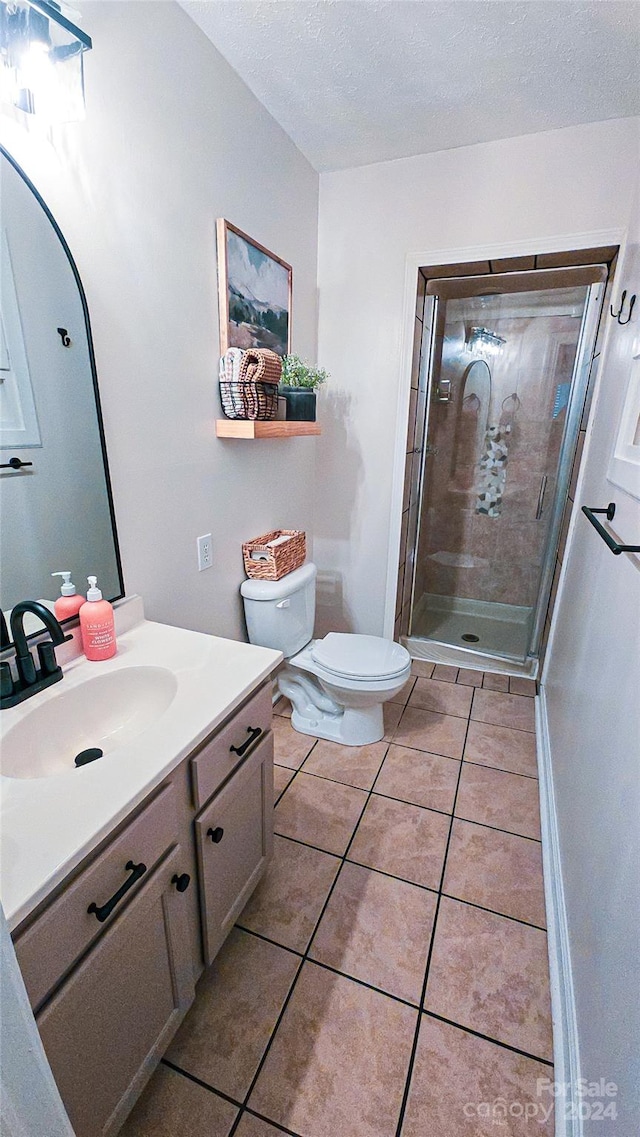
{"points": [[442, 625]]}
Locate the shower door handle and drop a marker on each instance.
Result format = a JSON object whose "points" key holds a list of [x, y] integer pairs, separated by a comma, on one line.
{"points": [[543, 490]]}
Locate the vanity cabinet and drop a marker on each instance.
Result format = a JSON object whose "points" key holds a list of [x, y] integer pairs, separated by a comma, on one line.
{"points": [[110, 962]]}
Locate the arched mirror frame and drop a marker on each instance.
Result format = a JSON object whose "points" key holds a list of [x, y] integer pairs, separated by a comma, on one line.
{"points": [[92, 363]]}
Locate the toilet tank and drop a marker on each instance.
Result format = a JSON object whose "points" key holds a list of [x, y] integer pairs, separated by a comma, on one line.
{"points": [[280, 613]]}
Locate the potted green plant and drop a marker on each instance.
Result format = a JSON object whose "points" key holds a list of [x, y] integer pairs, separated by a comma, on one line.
{"points": [[298, 385]]}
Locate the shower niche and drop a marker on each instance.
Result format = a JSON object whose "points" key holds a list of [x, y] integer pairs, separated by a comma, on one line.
{"points": [[506, 359]]}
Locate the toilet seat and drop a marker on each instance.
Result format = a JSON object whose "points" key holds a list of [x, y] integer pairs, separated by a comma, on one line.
{"points": [[354, 657]]}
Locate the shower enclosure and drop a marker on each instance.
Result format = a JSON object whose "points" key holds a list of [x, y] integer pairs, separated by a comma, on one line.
{"points": [[505, 368]]}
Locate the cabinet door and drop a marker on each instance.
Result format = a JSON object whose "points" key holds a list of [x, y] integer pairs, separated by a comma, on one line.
{"points": [[234, 838], [109, 1024]]}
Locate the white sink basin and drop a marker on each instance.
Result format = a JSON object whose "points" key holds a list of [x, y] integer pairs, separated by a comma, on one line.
{"points": [[105, 713]]}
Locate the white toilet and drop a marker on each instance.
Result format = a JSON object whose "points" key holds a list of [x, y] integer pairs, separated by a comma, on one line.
{"points": [[336, 685]]}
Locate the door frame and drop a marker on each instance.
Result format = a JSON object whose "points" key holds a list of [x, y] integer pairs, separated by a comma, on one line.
{"points": [[413, 262]]}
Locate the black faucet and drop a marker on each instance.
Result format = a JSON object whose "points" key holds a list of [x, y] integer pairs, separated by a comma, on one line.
{"points": [[30, 680]]}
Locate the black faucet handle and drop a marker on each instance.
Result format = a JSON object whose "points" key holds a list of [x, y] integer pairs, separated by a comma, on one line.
{"points": [[5, 638], [6, 680], [47, 656]]}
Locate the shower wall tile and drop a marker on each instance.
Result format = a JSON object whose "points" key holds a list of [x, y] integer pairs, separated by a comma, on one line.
{"points": [[417, 346], [411, 422]]}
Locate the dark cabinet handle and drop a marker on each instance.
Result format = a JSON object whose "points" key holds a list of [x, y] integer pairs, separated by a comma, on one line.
{"points": [[216, 835], [105, 911], [254, 732], [181, 882], [14, 464]]}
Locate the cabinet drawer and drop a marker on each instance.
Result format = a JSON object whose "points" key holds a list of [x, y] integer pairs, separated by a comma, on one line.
{"points": [[56, 939], [219, 757]]}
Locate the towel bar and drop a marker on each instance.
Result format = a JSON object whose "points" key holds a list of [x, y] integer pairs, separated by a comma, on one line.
{"points": [[606, 537]]}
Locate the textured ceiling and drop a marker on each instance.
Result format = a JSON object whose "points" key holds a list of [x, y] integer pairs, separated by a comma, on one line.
{"points": [[359, 82]]}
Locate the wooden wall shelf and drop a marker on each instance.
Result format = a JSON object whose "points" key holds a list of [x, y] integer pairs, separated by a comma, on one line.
{"points": [[240, 428]]}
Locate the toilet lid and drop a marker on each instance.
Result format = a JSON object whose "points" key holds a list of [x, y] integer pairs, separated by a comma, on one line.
{"points": [[360, 657]]}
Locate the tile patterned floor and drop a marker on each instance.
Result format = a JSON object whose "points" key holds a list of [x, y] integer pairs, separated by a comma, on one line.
{"points": [[389, 977]]}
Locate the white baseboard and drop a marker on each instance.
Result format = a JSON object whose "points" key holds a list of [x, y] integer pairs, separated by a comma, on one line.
{"points": [[566, 1054]]}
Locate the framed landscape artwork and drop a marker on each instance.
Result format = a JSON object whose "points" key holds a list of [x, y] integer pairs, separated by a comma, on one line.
{"points": [[254, 293]]}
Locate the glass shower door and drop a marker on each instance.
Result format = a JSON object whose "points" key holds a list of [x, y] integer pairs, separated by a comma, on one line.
{"points": [[508, 375]]}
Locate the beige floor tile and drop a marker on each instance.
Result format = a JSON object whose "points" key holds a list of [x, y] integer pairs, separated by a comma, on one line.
{"points": [[319, 812], [403, 695], [339, 1060], [281, 778], [518, 686], [491, 974], [403, 840], [459, 1082], [502, 747], [377, 929], [495, 682], [445, 673], [282, 707], [174, 1106], [445, 698], [426, 730], [238, 1001], [290, 747], [392, 713], [468, 676], [504, 710], [251, 1126], [496, 870], [418, 777], [353, 765], [503, 800], [288, 901], [422, 667]]}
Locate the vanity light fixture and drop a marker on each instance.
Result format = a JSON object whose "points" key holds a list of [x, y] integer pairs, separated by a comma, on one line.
{"points": [[41, 60], [481, 341]]}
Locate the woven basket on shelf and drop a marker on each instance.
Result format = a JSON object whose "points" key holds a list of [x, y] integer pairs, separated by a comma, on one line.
{"points": [[281, 559], [254, 401]]}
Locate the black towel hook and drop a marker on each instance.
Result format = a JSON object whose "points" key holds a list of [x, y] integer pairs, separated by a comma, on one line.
{"points": [[617, 315]]}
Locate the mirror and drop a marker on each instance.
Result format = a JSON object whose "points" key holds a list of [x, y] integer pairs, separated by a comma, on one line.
{"points": [[56, 510]]}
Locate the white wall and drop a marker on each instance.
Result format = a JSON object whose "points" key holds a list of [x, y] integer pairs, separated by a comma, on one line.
{"points": [[592, 684], [539, 188], [172, 140]]}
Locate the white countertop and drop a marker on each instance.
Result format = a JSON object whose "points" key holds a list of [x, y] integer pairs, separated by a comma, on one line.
{"points": [[50, 824]]}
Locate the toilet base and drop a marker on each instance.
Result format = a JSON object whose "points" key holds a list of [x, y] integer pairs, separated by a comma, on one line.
{"points": [[316, 713], [353, 727]]}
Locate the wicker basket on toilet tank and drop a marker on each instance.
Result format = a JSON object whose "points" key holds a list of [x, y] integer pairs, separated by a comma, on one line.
{"points": [[274, 554]]}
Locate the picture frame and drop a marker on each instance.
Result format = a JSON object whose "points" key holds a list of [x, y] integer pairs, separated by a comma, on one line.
{"points": [[254, 293]]}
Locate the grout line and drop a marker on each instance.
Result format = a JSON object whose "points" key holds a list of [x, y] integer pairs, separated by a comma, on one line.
{"points": [[269, 940], [303, 959], [494, 912], [268, 1121], [487, 1038], [500, 769], [456, 817], [199, 1082], [414, 1048], [363, 983]]}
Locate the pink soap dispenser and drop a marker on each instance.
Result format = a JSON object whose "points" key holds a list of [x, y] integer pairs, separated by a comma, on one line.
{"points": [[97, 625], [69, 602]]}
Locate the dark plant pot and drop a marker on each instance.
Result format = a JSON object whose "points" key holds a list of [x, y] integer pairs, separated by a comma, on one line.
{"points": [[301, 404]]}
